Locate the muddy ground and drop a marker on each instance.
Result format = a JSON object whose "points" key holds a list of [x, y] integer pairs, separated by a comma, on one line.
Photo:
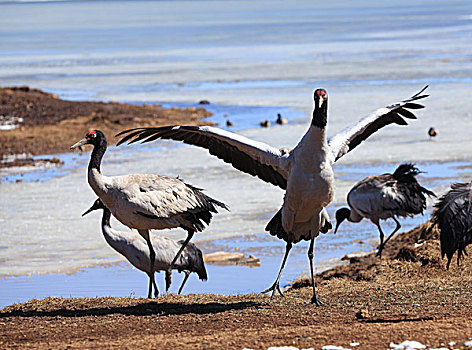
{"points": [[48, 125], [408, 295]]}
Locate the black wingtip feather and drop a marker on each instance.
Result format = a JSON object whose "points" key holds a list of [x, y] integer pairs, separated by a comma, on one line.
{"points": [[411, 105], [406, 113]]}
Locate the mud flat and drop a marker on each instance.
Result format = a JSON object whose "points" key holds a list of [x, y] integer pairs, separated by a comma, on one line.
{"points": [[38, 123]]}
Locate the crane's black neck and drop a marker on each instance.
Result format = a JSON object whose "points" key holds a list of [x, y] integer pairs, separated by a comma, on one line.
{"points": [[106, 217], [99, 150], [320, 115]]}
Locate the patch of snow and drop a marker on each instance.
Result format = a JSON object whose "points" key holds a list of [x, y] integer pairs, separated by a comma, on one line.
{"points": [[416, 245], [334, 347], [354, 344], [9, 123], [407, 345], [451, 343], [468, 343]]}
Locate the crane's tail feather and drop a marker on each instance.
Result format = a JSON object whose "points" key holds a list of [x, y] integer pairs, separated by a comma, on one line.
{"points": [[406, 172], [275, 228], [202, 213]]}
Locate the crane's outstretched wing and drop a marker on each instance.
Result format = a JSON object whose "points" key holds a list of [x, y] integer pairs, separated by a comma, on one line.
{"points": [[252, 157], [453, 215], [349, 138]]}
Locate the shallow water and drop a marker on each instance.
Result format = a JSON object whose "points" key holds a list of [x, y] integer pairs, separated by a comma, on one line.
{"points": [[252, 60]]}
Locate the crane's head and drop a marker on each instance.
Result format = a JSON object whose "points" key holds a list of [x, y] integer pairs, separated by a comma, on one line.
{"points": [[341, 215], [94, 137], [320, 96], [98, 204]]}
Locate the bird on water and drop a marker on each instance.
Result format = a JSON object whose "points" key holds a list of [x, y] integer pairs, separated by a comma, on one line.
{"points": [[432, 132], [147, 201], [134, 248], [281, 120], [305, 173], [453, 217], [380, 197]]}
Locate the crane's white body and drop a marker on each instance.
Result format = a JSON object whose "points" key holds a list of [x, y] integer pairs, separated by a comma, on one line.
{"points": [[134, 248], [144, 201], [310, 186]]}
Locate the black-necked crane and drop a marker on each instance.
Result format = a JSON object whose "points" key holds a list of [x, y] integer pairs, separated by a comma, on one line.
{"points": [[305, 173], [134, 248], [381, 197], [147, 201], [453, 218]]}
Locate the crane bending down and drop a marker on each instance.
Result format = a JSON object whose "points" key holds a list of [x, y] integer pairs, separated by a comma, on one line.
{"points": [[305, 172], [148, 201], [385, 196], [453, 217], [134, 248]]}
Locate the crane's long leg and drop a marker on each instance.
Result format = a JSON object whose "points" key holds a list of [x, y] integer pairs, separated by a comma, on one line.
{"points": [[382, 242], [156, 290], [152, 256], [187, 274], [314, 298], [190, 234], [381, 246], [276, 286], [394, 231]]}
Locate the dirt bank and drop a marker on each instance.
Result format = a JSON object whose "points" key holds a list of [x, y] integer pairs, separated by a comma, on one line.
{"points": [[47, 124], [407, 296]]}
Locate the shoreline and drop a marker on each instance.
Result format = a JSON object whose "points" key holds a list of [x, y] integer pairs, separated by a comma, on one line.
{"points": [[119, 278], [46, 124], [408, 295]]}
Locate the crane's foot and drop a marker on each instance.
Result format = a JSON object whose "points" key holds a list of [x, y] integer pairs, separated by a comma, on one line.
{"points": [[379, 253], [315, 300], [275, 287]]}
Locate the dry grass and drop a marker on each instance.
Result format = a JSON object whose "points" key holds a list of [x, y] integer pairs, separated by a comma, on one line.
{"points": [[415, 299]]}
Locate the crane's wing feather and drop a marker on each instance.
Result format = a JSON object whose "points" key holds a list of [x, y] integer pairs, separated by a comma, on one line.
{"points": [[349, 138], [157, 196], [453, 215], [375, 196], [252, 157]]}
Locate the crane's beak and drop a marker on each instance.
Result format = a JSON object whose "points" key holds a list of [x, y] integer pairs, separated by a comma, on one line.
{"points": [[82, 142], [320, 101], [337, 226], [88, 211]]}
